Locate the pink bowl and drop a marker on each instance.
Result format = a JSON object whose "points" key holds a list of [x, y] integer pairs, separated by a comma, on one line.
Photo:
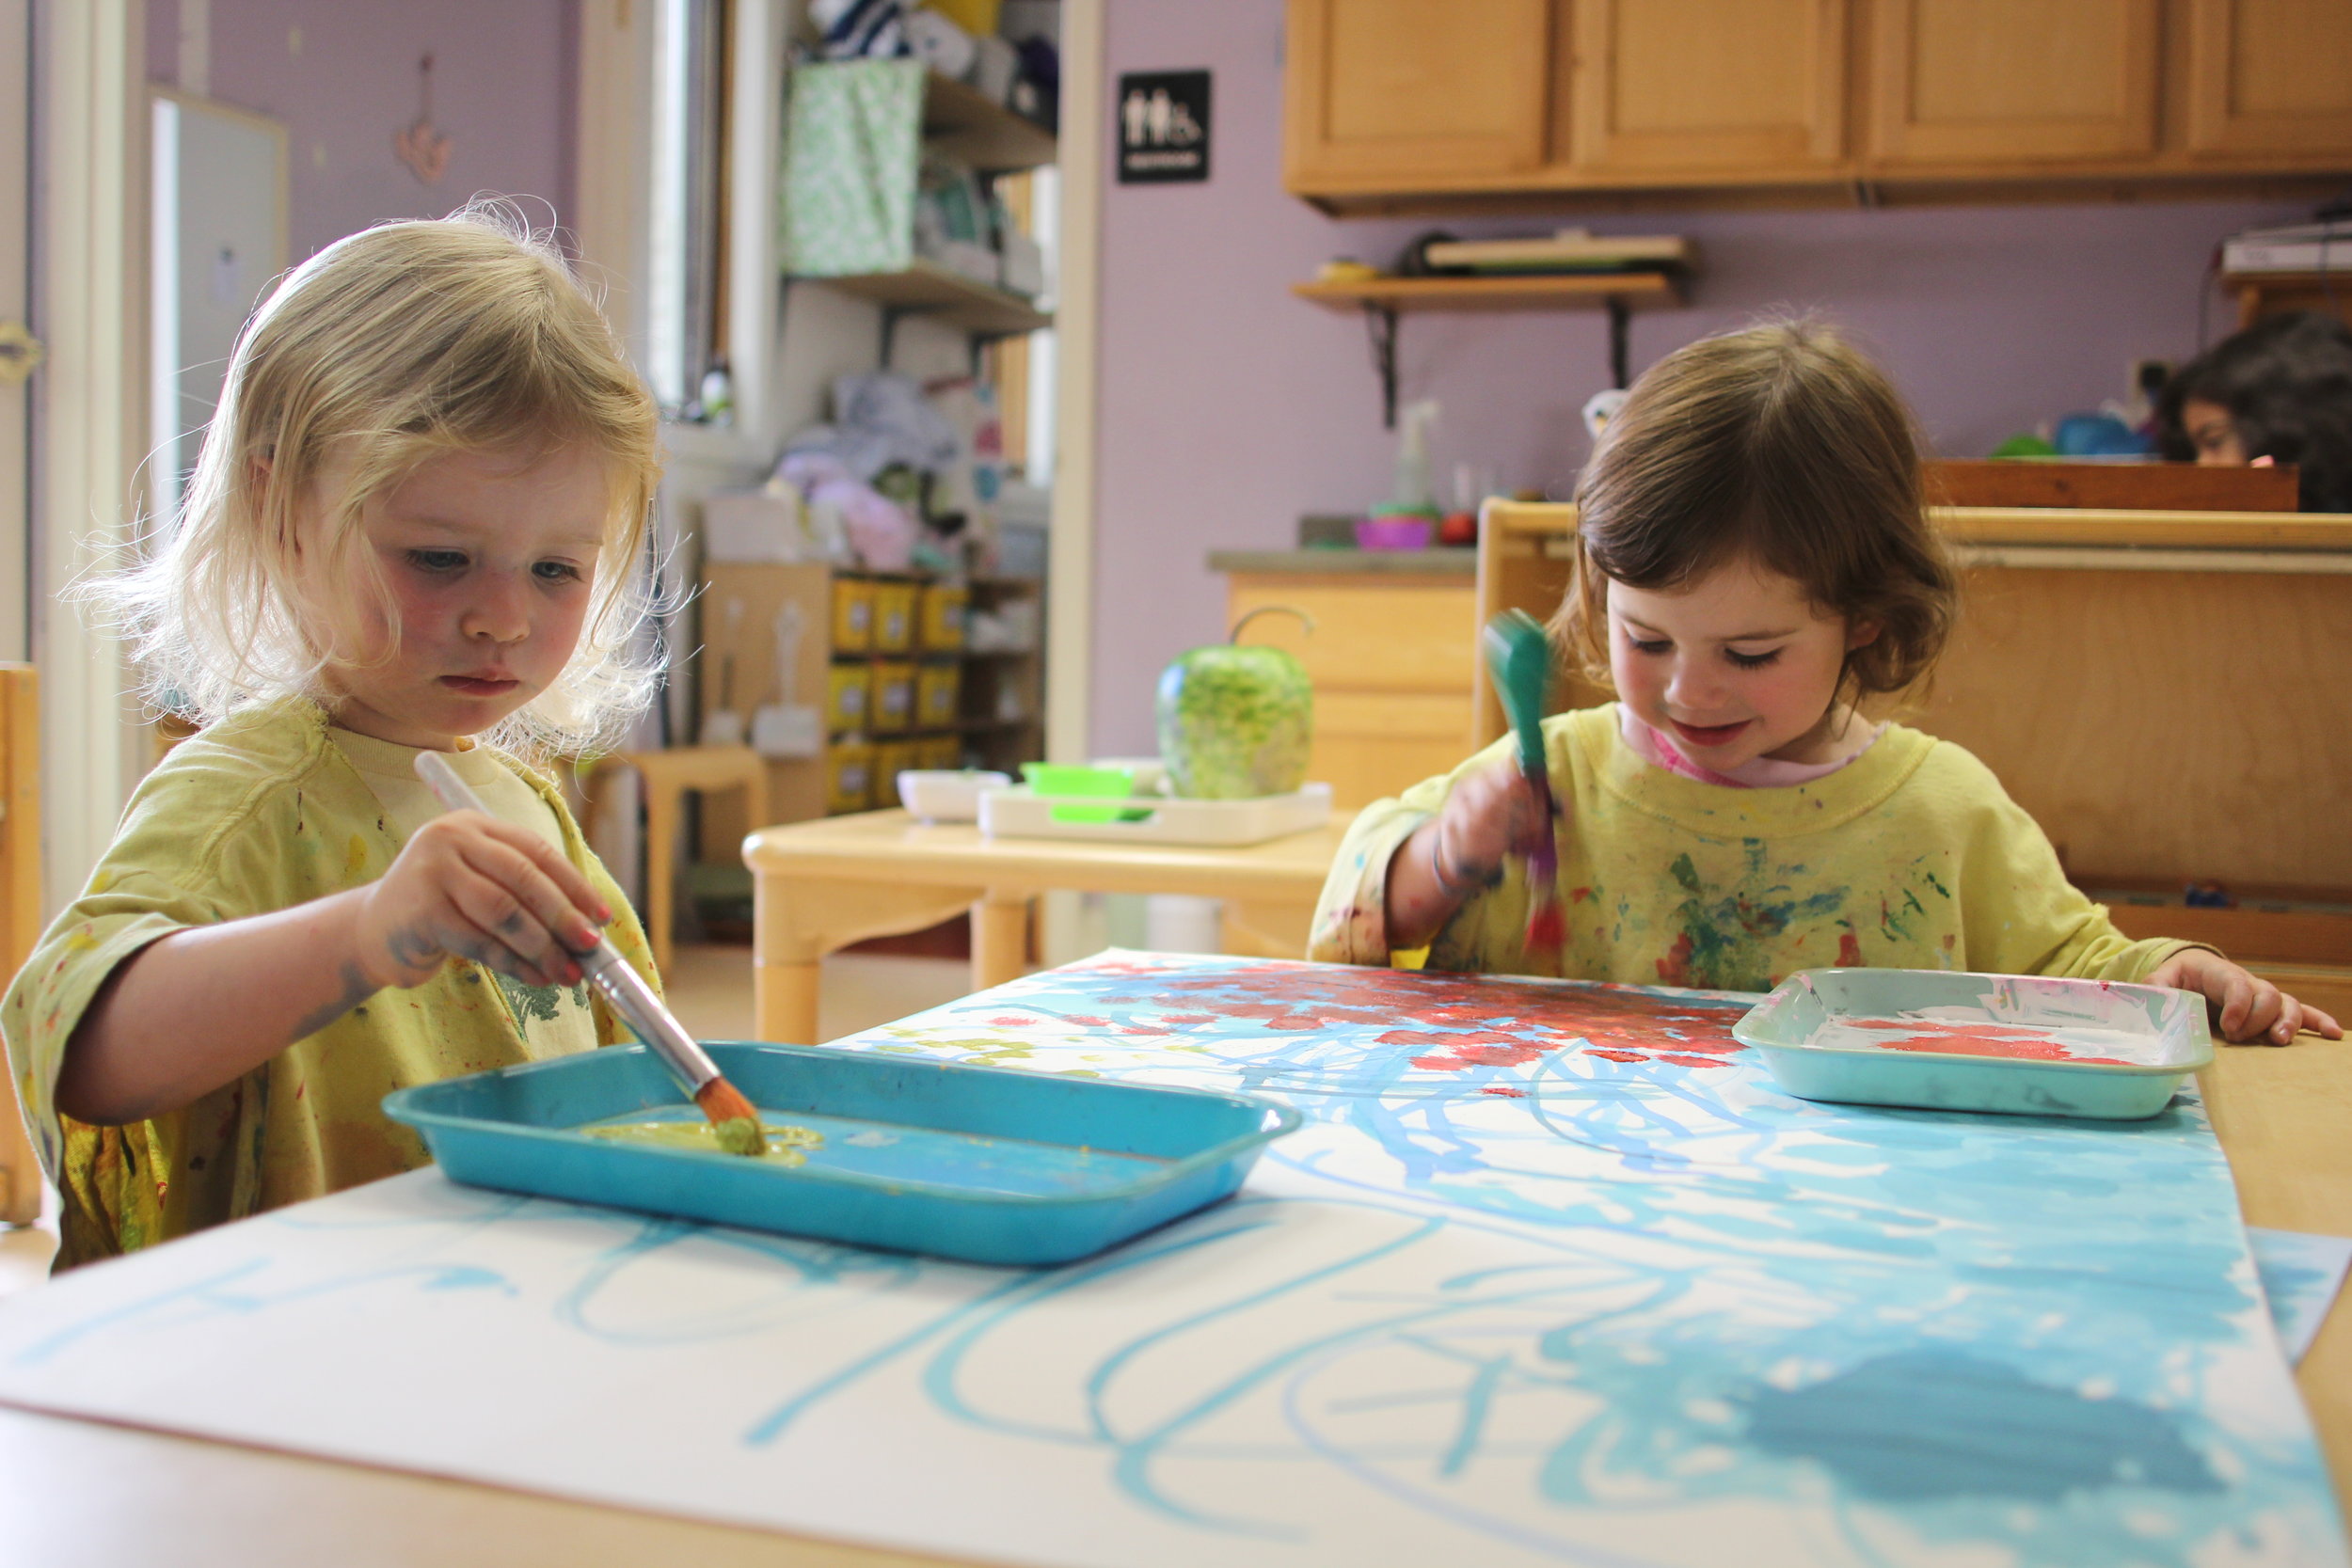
{"points": [[1400, 531]]}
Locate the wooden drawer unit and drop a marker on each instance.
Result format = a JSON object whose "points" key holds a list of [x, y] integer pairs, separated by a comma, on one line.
{"points": [[1390, 658]]}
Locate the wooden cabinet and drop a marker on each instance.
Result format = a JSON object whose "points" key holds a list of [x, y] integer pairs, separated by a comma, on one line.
{"points": [[2012, 82], [1401, 105], [1412, 91], [1701, 88], [1390, 657], [2269, 76]]}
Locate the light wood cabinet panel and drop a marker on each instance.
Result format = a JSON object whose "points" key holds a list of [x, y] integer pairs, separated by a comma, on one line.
{"points": [[1415, 89], [1390, 661], [1706, 86], [2270, 76], [2015, 82]]}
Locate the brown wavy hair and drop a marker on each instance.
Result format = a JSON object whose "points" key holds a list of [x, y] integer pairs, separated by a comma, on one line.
{"points": [[1784, 446]]}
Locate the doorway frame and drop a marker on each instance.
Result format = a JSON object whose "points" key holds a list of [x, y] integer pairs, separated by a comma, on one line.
{"points": [[89, 110]]}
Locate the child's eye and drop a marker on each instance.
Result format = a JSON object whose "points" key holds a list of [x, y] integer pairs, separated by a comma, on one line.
{"points": [[557, 571], [1751, 661], [438, 560], [1657, 646]]}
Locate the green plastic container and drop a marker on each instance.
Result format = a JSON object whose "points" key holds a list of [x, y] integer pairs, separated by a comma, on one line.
{"points": [[1067, 779], [2019, 1044]]}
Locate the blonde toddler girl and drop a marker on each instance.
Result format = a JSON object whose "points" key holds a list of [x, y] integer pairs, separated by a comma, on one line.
{"points": [[415, 524]]}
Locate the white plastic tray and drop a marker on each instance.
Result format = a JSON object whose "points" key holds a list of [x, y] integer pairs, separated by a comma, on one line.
{"points": [[1021, 813]]}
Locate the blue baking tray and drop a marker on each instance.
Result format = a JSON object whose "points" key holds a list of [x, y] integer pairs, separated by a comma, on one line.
{"points": [[2017, 1044], [981, 1163]]}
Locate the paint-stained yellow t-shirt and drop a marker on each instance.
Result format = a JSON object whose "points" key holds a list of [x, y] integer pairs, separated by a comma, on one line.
{"points": [[1909, 857], [260, 812]]}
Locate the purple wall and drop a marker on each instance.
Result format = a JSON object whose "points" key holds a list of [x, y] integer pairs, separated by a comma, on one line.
{"points": [[1228, 406], [503, 85]]}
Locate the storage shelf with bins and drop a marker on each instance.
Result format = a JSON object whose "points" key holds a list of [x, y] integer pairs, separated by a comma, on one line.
{"points": [[904, 688], [994, 718]]}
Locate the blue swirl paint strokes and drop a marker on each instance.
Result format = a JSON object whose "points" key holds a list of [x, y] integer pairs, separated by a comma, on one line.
{"points": [[1640, 1308]]}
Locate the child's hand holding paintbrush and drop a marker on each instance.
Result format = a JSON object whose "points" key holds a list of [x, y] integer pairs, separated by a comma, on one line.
{"points": [[1490, 816], [732, 1116]]}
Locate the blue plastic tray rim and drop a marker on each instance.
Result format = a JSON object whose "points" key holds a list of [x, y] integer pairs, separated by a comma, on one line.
{"points": [[400, 1107], [2198, 1058]]}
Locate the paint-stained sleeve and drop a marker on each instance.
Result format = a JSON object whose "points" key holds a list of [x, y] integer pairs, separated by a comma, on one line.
{"points": [[198, 845], [1351, 920], [2022, 916]]}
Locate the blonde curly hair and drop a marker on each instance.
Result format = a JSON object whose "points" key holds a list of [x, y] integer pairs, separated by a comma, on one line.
{"points": [[398, 344]]}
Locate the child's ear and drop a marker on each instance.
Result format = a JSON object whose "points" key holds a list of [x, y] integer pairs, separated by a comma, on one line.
{"points": [[1861, 634]]}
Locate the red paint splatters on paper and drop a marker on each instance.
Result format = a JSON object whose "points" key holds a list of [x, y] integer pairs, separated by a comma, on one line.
{"points": [[1615, 1055], [1013, 1022], [1505, 1090], [1680, 1060], [1455, 1022], [1848, 952], [1577, 894]]}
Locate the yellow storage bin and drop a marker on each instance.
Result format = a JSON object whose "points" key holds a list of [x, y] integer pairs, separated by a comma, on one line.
{"points": [[848, 696], [936, 688], [853, 615], [945, 606], [892, 759], [894, 617], [942, 751], [849, 776], [894, 695]]}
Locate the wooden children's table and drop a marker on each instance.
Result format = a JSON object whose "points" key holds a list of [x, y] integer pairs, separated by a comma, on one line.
{"points": [[818, 886], [76, 1492]]}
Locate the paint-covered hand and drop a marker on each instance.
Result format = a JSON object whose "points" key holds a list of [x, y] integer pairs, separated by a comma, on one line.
{"points": [[470, 886], [2245, 1007], [1490, 815]]}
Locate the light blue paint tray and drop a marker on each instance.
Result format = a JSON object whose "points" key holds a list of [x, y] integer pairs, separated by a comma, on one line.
{"points": [[2021, 1044], [981, 1163]]}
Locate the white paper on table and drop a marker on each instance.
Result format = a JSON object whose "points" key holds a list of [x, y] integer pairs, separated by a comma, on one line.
{"points": [[2301, 1275], [1552, 1274]]}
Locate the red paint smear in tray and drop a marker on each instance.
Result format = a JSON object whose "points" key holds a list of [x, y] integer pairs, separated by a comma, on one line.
{"points": [[2012, 1041]]}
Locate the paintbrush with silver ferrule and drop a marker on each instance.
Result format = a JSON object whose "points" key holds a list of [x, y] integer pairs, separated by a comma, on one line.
{"points": [[732, 1116]]}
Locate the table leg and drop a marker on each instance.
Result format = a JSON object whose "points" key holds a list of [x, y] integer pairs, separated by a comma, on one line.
{"points": [[797, 920], [1000, 940], [784, 1002]]}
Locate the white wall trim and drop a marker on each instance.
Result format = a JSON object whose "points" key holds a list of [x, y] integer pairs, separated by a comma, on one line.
{"points": [[612, 179], [1070, 613], [91, 242]]}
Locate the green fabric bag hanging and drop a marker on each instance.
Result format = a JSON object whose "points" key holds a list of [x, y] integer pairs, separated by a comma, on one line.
{"points": [[853, 137]]}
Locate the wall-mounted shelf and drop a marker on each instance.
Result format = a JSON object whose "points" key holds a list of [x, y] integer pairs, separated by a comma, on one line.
{"points": [[946, 296], [1383, 299], [1548, 291], [2265, 294], [960, 120]]}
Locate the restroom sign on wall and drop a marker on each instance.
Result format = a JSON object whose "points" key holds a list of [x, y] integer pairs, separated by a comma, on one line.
{"points": [[1163, 126]]}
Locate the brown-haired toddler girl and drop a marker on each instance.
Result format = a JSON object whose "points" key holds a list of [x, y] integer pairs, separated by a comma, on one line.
{"points": [[1753, 557]]}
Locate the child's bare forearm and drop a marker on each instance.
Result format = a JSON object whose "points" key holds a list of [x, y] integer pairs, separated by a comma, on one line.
{"points": [[202, 1007], [1419, 900]]}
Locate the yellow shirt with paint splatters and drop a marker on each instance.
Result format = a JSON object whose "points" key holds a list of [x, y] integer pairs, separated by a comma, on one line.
{"points": [[260, 812], [1909, 857]]}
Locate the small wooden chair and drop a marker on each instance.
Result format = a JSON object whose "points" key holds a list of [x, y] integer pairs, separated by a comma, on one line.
{"points": [[667, 776], [20, 912]]}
